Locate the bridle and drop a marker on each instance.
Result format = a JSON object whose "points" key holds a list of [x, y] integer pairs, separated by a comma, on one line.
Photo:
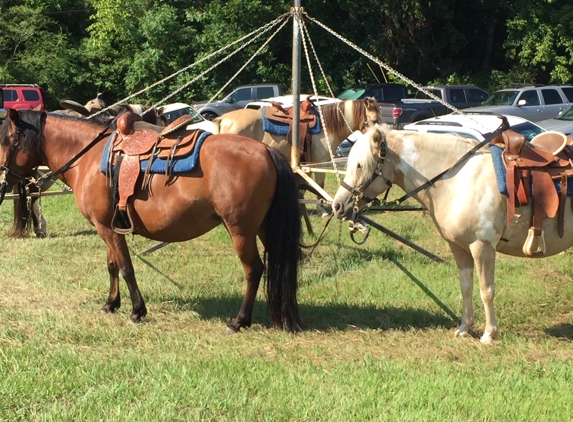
{"points": [[358, 192]]}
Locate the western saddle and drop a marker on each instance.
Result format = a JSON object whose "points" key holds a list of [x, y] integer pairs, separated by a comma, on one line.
{"points": [[276, 113], [133, 142], [532, 169]]}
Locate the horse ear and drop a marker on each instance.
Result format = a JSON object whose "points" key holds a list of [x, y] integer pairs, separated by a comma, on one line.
{"points": [[376, 139], [14, 115], [370, 103]]}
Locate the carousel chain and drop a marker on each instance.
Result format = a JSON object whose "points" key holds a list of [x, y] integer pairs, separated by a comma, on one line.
{"points": [[265, 28]]}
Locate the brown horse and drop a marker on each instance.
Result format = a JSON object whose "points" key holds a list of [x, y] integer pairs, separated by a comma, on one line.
{"points": [[341, 119], [238, 181]]}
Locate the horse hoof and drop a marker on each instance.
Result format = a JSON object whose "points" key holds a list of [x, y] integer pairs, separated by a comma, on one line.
{"points": [[230, 330], [41, 235], [460, 333], [486, 339]]}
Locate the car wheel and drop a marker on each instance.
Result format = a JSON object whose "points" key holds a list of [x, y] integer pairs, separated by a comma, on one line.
{"points": [[209, 115]]}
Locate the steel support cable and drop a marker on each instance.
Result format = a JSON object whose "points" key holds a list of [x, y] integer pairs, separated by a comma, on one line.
{"points": [[255, 54], [265, 28]]}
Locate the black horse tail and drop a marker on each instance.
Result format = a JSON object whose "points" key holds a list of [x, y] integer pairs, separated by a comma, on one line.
{"points": [[283, 248]]}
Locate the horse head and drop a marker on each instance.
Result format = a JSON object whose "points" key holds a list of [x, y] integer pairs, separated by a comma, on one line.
{"points": [[20, 135], [368, 174], [373, 113]]}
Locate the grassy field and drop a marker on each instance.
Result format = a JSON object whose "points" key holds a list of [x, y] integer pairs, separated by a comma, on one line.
{"points": [[376, 345]]}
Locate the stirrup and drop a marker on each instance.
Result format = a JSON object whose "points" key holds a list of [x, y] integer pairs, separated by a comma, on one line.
{"points": [[535, 243], [121, 221]]}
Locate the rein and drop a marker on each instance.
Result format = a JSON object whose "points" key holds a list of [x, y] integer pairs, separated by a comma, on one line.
{"points": [[358, 193], [50, 176], [488, 138]]}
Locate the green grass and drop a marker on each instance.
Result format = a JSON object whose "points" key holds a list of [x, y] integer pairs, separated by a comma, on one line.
{"points": [[376, 346]]}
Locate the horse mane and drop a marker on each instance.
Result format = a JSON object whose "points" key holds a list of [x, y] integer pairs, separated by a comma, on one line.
{"points": [[334, 119]]}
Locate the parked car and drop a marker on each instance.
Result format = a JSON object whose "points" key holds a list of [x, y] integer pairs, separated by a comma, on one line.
{"points": [[382, 92], [562, 123], [2, 109], [237, 99], [408, 110], [533, 103], [23, 96], [474, 125], [173, 111], [286, 101]]}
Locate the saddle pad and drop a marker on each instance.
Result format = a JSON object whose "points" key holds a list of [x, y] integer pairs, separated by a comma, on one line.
{"points": [[501, 173], [159, 165], [277, 128]]}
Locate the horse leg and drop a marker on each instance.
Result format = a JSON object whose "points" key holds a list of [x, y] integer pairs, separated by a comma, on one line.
{"points": [[38, 219], [119, 260], [465, 263], [114, 299], [20, 217], [319, 179], [248, 253], [484, 256]]}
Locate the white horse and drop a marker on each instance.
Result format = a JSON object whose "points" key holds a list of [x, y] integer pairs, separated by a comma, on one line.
{"points": [[465, 204]]}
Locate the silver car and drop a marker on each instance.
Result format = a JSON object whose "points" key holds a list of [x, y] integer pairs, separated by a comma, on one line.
{"points": [[562, 123]]}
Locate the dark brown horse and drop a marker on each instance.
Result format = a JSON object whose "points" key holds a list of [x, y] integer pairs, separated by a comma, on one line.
{"points": [[238, 182]]}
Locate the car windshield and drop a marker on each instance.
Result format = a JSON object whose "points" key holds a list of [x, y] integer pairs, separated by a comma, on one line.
{"points": [[352, 94], [501, 98], [567, 115], [527, 129], [175, 114]]}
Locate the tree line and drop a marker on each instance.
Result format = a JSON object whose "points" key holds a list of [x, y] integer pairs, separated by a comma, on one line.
{"points": [[76, 48]]}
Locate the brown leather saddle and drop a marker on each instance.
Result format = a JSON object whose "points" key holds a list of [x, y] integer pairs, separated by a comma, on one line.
{"points": [[136, 141], [532, 167], [308, 120]]}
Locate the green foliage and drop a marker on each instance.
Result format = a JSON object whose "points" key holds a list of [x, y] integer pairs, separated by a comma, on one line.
{"points": [[75, 49], [540, 39]]}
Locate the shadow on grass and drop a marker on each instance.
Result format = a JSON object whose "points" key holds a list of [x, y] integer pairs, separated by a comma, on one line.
{"points": [[561, 331], [319, 317]]}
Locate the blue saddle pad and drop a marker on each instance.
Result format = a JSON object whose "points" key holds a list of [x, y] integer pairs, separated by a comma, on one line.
{"points": [[159, 165], [500, 173], [278, 128]]}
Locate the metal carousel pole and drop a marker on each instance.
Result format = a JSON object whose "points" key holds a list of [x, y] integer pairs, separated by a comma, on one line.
{"points": [[295, 83]]}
